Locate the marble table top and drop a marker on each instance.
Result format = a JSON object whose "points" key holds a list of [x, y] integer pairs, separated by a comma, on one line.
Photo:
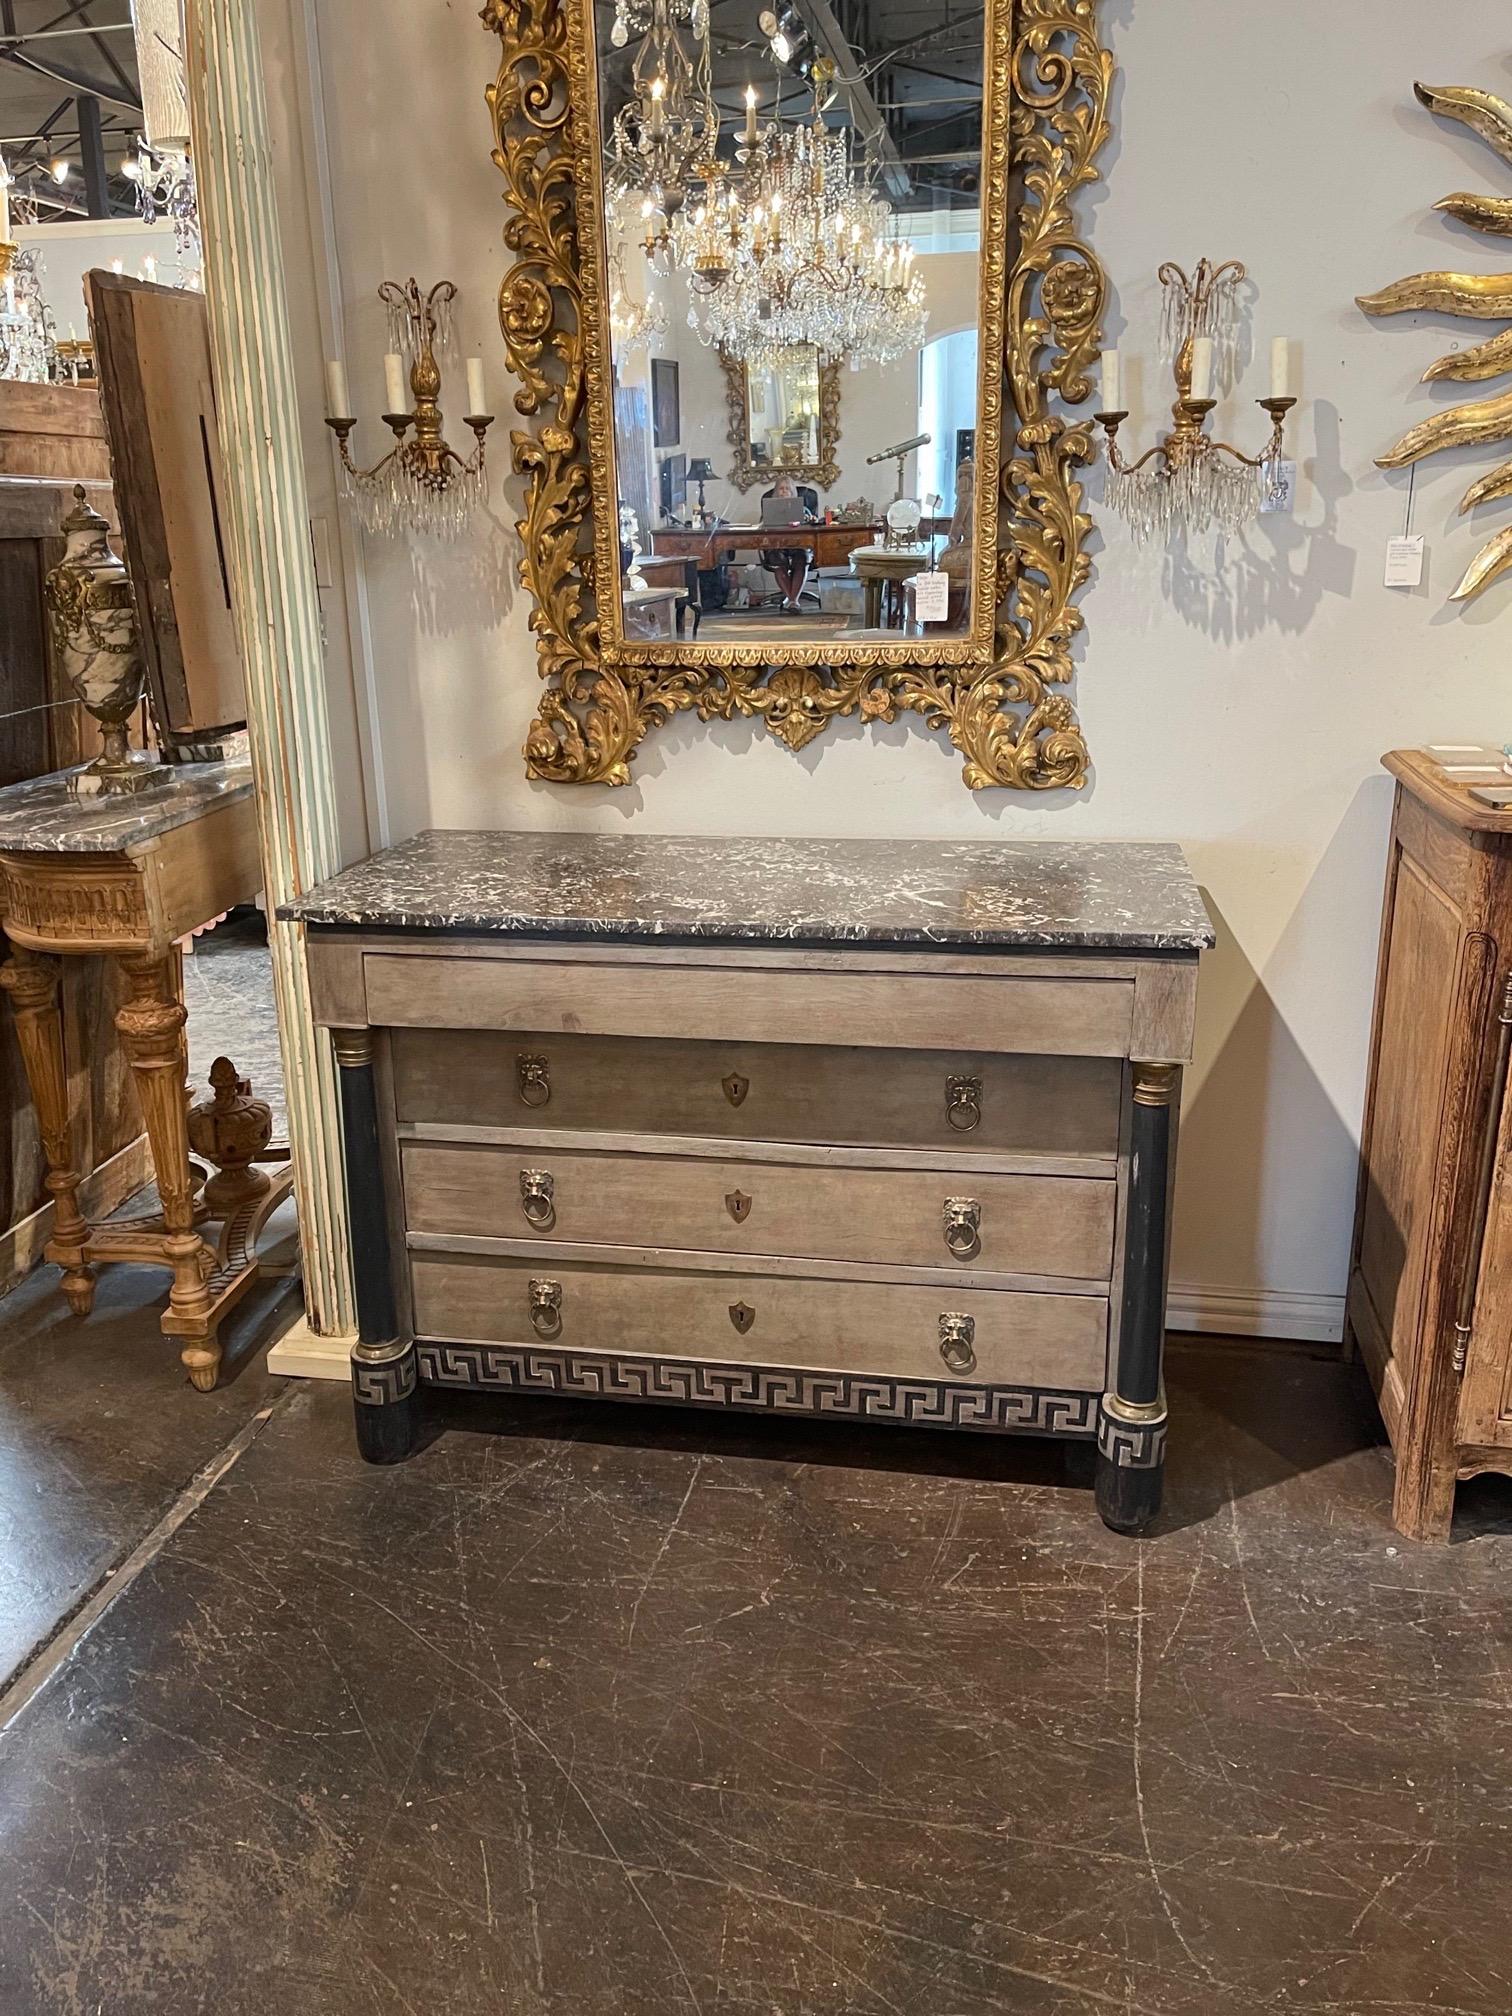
{"points": [[1120, 895], [43, 815]]}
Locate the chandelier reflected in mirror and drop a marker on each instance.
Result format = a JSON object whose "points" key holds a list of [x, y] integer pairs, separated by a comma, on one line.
{"points": [[789, 243], [799, 249], [666, 134]]}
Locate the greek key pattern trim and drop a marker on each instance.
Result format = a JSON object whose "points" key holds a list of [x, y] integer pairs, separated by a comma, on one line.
{"points": [[385, 1383], [1130, 1445], [1002, 1410]]}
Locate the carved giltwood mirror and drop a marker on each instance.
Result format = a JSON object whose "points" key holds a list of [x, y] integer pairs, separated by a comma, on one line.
{"points": [[784, 417], [719, 184]]}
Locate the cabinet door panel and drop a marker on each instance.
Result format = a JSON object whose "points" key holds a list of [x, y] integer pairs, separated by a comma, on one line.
{"points": [[1486, 1398], [1420, 978]]}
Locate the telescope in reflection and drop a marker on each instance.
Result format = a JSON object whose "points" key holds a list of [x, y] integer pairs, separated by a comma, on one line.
{"points": [[900, 450]]}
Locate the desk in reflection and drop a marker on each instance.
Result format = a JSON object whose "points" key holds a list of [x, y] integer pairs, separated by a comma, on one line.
{"points": [[829, 545]]}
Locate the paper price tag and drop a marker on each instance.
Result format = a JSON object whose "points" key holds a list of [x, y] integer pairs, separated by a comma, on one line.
{"points": [[1404, 561], [931, 597]]}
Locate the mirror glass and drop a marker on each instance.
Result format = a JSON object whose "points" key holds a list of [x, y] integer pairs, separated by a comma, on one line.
{"points": [[782, 408], [789, 188]]}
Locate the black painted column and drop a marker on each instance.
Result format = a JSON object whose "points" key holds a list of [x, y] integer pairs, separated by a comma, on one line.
{"points": [[384, 1396], [1131, 1426]]}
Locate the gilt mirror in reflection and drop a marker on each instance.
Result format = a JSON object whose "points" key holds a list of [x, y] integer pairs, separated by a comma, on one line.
{"points": [[792, 221]]}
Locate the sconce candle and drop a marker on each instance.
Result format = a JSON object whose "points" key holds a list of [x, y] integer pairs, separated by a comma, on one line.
{"points": [[750, 118], [393, 383], [476, 397], [1280, 367], [1202, 367], [338, 398], [1110, 384]]}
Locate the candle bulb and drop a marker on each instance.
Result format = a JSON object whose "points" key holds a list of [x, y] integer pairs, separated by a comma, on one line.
{"points": [[393, 383], [338, 399], [658, 87], [1202, 367], [476, 397], [1280, 367], [750, 125], [1110, 386]]}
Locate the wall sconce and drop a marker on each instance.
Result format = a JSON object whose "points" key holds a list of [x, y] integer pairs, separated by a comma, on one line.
{"points": [[1188, 479], [422, 484]]}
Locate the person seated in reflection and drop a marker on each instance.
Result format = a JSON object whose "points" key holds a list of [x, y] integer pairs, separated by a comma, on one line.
{"points": [[790, 564]]}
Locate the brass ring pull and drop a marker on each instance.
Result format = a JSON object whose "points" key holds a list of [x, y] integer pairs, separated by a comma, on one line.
{"points": [[538, 1197], [963, 1227], [533, 1078], [957, 1336], [963, 1103], [546, 1307]]}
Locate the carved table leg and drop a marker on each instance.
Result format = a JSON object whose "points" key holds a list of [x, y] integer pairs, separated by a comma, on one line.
{"points": [[31, 980], [385, 1401], [151, 1023], [1131, 1427]]}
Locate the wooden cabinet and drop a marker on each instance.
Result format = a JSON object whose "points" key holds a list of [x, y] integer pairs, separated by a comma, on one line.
{"points": [[1430, 1292], [906, 1157]]}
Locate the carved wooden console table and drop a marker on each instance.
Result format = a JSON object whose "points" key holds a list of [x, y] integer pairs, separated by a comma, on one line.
{"points": [[127, 878], [850, 1128]]}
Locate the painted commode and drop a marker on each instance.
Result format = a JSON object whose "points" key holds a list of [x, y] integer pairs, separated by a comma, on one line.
{"points": [[839, 1127]]}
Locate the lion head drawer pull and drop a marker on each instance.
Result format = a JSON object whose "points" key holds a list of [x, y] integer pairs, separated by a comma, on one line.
{"points": [[963, 1227], [957, 1336], [963, 1103], [538, 1197], [533, 1077], [546, 1307]]}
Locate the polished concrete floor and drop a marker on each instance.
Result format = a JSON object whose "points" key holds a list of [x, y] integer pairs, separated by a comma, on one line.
{"points": [[607, 1713]]}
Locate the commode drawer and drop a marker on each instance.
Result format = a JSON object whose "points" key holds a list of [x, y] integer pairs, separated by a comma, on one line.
{"points": [[1064, 1109], [971, 1336], [1012, 1011], [1038, 1225]]}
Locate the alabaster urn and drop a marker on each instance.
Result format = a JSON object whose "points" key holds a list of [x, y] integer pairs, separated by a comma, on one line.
{"points": [[94, 627]]}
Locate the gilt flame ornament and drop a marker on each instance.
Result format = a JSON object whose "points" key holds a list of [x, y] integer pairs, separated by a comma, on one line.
{"points": [[1482, 297]]}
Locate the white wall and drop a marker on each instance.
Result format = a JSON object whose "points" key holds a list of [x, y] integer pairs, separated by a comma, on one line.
{"points": [[69, 251], [1235, 701]]}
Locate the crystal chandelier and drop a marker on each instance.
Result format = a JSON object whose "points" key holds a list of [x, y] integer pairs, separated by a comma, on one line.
{"points": [[801, 250], [28, 340], [165, 189], [666, 132], [632, 323]]}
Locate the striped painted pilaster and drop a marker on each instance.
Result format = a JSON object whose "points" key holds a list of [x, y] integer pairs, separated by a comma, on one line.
{"points": [[273, 586]]}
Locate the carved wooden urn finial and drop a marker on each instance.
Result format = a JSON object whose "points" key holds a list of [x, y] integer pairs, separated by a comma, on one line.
{"points": [[231, 1129]]}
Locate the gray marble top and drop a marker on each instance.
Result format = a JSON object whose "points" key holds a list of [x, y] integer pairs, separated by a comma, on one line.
{"points": [[1125, 895], [44, 816]]}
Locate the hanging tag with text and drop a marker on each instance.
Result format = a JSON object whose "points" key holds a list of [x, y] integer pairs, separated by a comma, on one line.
{"points": [[931, 597], [1404, 561]]}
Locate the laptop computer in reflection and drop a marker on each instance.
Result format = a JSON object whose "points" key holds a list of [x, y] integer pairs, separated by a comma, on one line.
{"points": [[781, 511]]}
